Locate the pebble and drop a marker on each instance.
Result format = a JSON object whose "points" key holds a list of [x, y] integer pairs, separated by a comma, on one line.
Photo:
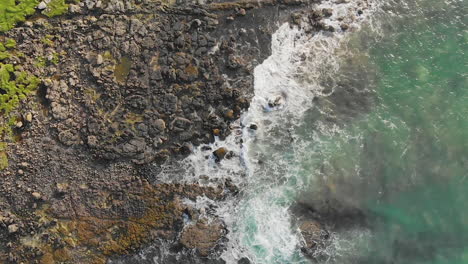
{"points": [[36, 195], [242, 12], [13, 228], [253, 127], [99, 59], [42, 5], [29, 117]]}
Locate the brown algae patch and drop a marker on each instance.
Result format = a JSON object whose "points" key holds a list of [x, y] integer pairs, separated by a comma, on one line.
{"points": [[99, 233], [122, 69]]}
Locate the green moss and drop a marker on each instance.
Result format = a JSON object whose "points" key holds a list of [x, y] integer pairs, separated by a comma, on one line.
{"points": [[14, 87], [14, 11], [4, 55], [10, 43], [56, 8]]}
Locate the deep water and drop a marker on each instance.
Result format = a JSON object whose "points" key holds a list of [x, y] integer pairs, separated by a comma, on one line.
{"points": [[415, 141], [405, 163]]}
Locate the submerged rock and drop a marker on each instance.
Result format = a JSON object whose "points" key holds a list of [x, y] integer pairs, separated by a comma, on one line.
{"points": [[314, 236]]}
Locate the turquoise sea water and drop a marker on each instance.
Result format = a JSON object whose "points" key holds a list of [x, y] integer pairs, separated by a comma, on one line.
{"points": [[402, 161], [421, 159]]}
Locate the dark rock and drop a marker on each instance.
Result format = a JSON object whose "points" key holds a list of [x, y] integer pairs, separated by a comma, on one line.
{"points": [[243, 261], [253, 127]]}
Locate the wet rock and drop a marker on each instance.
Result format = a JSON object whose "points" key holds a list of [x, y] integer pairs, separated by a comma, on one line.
{"points": [[220, 153], [276, 102], [202, 236], [344, 27], [253, 127], [244, 261], [314, 236]]}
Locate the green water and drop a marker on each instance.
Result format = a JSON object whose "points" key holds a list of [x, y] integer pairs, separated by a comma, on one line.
{"points": [[408, 157]]}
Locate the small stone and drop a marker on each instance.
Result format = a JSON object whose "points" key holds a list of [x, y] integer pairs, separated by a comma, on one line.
{"points": [[229, 114], [160, 124], [61, 188], [20, 172], [99, 59], [92, 141], [36, 195], [13, 228], [19, 124], [29, 117], [42, 5], [242, 12], [344, 27], [74, 8], [253, 127], [216, 132]]}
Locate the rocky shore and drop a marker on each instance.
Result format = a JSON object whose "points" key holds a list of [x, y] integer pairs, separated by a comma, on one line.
{"points": [[126, 85]]}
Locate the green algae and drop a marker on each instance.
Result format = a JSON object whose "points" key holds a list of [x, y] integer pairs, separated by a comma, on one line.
{"points": [[56, 8], [12, 12]]}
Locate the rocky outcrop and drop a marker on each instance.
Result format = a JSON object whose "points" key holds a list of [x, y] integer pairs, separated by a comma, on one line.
{"points": [[202, 236]]}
